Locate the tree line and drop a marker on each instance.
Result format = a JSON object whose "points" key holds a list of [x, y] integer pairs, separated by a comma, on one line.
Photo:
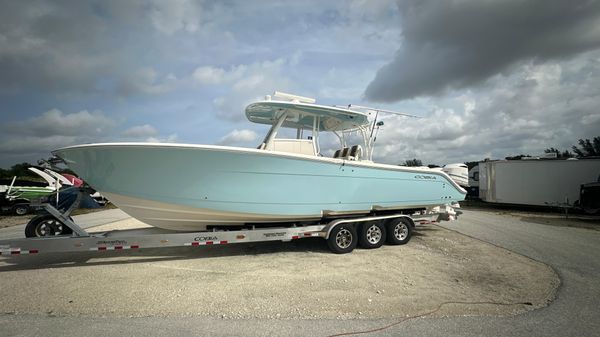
{"points": [[19, 170], [586, 149]]}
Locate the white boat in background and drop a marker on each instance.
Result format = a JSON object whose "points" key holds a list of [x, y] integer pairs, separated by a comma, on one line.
{"points": [[188, 187], [458, 172]]}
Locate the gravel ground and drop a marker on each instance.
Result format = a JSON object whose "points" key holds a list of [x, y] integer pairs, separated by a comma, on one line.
{"points": [[8, 220], [298, 280], [14, 220]]}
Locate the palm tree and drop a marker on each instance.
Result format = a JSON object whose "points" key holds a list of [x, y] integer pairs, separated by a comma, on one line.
{"points": [[559, 154], [588, 148], [413, 162]]}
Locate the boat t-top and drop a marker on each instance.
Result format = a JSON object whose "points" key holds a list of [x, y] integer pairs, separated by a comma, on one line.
{"points": [[187, 187]]}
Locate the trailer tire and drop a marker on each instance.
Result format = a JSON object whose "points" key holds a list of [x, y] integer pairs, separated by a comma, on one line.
{"points": [[20, 209], [371, 234], [591, 211], [342, 239], [399, 231], [46, 225]]}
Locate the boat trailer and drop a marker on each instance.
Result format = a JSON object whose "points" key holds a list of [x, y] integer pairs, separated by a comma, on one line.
{"points": [[56, 232]]}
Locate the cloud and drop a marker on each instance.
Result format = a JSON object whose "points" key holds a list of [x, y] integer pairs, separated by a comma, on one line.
{"points": [[493, 78], [33, 138], [541, 105], [146, 81], [243, 84], [209, 75], [140, 131], [176, 15], [172, 138], [41, 146], [457, 44], [43, 47], [55, 122], [237, 137]]}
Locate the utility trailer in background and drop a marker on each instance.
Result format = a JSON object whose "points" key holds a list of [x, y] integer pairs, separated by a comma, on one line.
{"points": [[536, 182], [56, 232]]}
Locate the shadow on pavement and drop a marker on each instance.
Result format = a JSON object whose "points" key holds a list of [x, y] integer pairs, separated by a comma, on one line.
{"points": [[66, 260]]}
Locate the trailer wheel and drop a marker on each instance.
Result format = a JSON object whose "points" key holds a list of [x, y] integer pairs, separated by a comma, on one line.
{"points": [[371, 234], [46, 225], [399, 231], [21, 209], [342, 239]]}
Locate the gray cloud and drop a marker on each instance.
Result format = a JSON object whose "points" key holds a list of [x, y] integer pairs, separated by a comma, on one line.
{"points": [[539, 105], [248, 83], [90, 47], [239, 137], [54, 122], [33, 138], [51, 47], [456, 44], [140, 131]]}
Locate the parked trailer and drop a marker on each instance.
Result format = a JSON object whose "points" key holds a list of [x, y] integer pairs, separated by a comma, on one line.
{"points": [[536, 182], [342, 235]]}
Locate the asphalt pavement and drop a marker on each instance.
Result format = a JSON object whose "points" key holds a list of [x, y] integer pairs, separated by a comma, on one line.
{"points": [[574, 253]]}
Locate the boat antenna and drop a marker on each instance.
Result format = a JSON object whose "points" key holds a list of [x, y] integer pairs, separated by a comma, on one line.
{"points": [[373, 126], [370, 142]]}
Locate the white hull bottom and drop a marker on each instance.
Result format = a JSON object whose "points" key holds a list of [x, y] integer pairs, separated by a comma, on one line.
{"points": [[185, 218], [191, 219], [461, 180]]}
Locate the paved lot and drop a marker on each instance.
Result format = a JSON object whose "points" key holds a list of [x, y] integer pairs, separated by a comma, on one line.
{"points": [[573, 252]]}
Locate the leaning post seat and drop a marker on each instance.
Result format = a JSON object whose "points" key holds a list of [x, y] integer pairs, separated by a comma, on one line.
{"points": [[341, 153], [344, 152], [355, 152]]}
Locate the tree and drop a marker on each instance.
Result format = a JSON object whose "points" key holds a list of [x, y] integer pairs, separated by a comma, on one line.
{"points": [[518, 157], [19, 170], [471, 164], [559, 154], [413, 162], [588, 148]]}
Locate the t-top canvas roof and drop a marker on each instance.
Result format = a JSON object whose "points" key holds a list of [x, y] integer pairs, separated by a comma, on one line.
{"points": [[301, 115]]}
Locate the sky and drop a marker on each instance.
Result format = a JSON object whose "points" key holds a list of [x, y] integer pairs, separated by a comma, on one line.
{"points": [[490, 79]]}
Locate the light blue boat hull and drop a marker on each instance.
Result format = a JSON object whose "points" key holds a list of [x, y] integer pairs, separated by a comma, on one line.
{"points": [[188, 187]]}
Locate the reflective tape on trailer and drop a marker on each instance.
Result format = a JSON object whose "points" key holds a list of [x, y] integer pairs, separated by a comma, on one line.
{"points": [[205, 243], [103, 248], [305, 235], [18, 251]]}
